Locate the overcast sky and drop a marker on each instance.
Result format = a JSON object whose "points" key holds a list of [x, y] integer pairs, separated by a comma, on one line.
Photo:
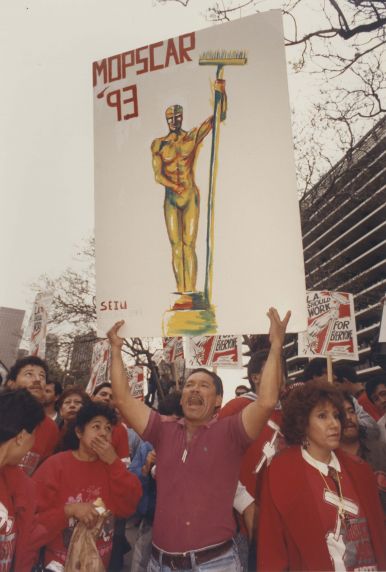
{"points": [[46, 141]]}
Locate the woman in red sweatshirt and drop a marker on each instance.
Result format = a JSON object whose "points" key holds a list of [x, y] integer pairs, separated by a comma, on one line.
{"points": [[68, 483]]}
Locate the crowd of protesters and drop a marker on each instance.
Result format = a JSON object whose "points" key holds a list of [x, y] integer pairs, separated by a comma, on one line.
{"points": [[286, 476]]}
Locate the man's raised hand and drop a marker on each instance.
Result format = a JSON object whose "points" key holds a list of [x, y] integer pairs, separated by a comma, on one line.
{"points": [[277, 327], [115, 340]]}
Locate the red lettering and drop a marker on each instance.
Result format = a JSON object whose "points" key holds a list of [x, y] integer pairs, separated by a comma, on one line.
{"points": [[123, 305], [127, 63], [113, 100], [133, 100], [118, 68], [171, 52], [103, 306], [116, 100], [141, 60], [153, 66], [99, 68], [185, 49]]}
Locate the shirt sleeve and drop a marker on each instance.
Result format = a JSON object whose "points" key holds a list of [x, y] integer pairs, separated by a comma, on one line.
{"points": [[242, 498], [125, 490], [152, 432], [238, 435]]}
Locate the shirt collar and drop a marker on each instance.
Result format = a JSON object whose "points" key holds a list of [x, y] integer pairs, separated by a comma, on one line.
{"points": [[214, 419], [319, 465]]}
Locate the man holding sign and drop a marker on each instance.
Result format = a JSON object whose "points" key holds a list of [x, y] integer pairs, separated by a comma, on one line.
{"points": [[198, 459]]}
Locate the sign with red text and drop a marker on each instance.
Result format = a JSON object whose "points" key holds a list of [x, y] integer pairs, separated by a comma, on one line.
{"points": [[173, 349], [38, 323], [136, 380], [188, 135], [214, 351], [331, 326], [100, 365]]}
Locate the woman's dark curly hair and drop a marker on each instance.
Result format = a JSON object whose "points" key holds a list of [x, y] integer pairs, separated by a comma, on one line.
{"points": [[299, 404], [85, 415]]}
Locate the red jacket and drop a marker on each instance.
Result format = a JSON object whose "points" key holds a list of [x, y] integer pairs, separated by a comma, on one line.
{"points": [[19, 494], [291, 535], [254, 454]]}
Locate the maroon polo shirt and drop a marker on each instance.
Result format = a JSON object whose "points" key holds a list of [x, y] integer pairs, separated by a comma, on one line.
{"points": [[196, 481]]}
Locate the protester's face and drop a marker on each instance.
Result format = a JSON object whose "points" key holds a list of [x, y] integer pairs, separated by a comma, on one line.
{"points": [[21, 444], [70, 406], [350, 430], [49, 394], [33, 378], [99, 426], [105, 395], [199, 399], [323, 431], [379, 398]]}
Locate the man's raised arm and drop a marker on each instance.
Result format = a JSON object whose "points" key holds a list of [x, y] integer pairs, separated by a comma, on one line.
{"points": [[132, 410], [256, 415]]}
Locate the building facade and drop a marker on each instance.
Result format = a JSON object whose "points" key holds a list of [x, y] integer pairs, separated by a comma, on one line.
{"points": [[11, 320], [344, 240]]}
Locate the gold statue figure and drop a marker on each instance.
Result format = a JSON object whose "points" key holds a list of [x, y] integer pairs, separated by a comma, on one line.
{"points": [[173, 158]]}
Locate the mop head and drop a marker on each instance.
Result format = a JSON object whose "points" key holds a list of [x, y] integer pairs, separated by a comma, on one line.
{"points": [[223, 58]]}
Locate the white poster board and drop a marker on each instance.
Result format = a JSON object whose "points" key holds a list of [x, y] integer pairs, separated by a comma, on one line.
{"points": [[331, 326], [254, 238]]}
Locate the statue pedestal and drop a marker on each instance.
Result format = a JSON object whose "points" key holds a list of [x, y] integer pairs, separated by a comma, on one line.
{"points": [[198, 320]]}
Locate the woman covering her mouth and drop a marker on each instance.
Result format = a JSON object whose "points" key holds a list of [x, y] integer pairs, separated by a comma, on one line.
{"points": [[319, 507]]}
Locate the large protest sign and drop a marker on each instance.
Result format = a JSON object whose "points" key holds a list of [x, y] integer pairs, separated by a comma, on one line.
{"points": [[38, 323], [214, 351], [197, 218], [331, 326], [100, 365]]}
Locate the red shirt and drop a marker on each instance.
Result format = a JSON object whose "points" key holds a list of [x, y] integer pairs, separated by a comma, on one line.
{"points": [[120, 440], [46, 439], [7, 526], [254, 457], [351, 541], [64, 479], [196, 481]]}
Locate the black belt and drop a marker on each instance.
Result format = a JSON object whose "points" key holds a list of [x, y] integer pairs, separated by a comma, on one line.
{"points": [[183, 560]]}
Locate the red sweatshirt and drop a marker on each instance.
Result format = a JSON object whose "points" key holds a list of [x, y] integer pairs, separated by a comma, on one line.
{"points": [[64, 479], [46, 439]]}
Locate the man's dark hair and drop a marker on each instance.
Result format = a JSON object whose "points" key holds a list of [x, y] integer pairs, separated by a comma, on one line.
{"points": [[348, 397], [345, 372], [316, 367], [86, 414], [243, 388], [255, 365], [299, 404], [58, 387], [18, 410], [171, 404], [101, 386], [378, 378], [73, 390], [216, 379], [20, 363]]}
